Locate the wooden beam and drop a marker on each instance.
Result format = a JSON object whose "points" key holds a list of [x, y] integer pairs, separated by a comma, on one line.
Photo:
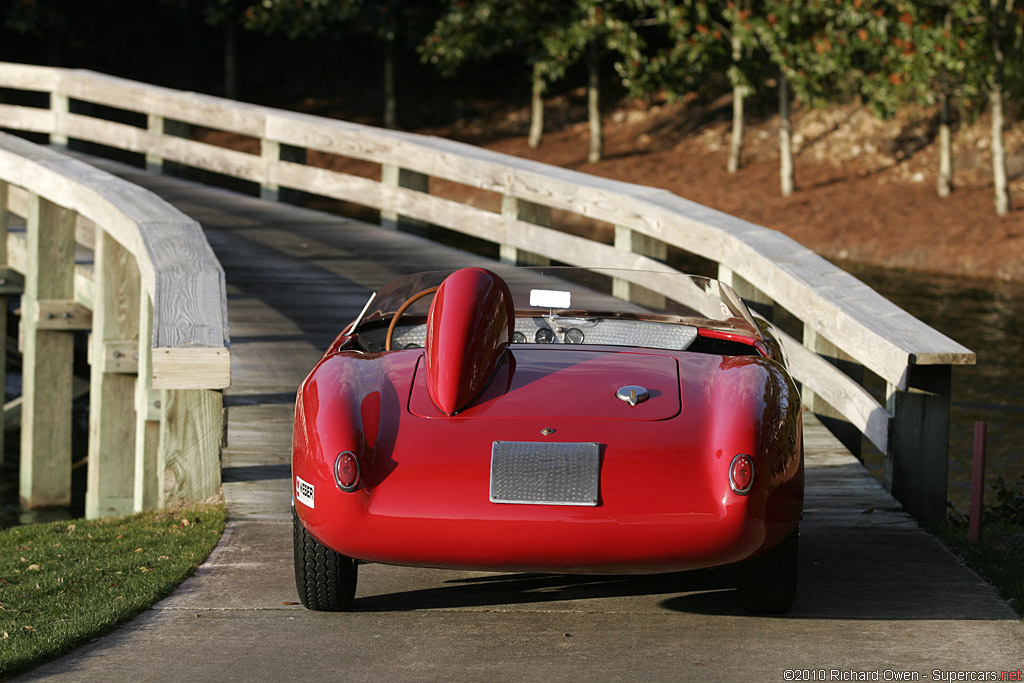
{"points": [[833, 416], [60, 105], [119, 356], [516, 210], [270, 152], [47, 361], [155, 127], [852, 400], [917, 468], [191, 429], [638, 243], [61, 314], [178, 268], [148, 407], [110, 488], [185, 368], [394, 176], [12, 409]]}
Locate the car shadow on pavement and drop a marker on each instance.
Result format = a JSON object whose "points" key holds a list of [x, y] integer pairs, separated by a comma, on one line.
{"points": [[708, 590], [858, 574]]}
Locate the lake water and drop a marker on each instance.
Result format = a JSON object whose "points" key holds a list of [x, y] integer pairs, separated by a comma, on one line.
{"points": [[986, 316], [983, 315]]}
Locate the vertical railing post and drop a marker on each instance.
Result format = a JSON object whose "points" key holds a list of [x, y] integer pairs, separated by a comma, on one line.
{"points": [[155, 126], [60, 105], [517, 209], [191, 429], [394, 176], [47, 358], [270, 153], [918, 463], [110, 489], [638, 243], [148, 492], [846, 432]]}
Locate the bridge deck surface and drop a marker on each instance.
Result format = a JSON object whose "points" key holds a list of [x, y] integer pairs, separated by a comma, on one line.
{"points": [[876, 592]]}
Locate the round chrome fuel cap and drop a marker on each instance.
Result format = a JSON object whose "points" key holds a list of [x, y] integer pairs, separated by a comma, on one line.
{"points": [[632, 394]]}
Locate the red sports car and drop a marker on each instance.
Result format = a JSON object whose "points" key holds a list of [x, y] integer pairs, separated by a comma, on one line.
{"points": [[550, 419]]}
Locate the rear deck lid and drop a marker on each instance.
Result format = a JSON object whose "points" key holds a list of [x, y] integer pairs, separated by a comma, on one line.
{"points": [[570, 383]]}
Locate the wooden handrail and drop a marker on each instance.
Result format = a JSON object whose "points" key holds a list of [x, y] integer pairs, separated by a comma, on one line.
{"points": [[841, 315], [178, 269]]}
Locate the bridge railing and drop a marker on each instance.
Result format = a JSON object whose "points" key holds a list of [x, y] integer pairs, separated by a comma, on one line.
{"points": [[847, 327], [94, 255]]}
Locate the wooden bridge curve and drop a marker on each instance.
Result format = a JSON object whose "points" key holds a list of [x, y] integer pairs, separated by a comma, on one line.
{"points": [[876, 592], [525, 206]]}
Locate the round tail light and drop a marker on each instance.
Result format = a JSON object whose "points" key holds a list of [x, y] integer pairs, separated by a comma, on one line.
{"points": [[346, 471], [741, 474]]}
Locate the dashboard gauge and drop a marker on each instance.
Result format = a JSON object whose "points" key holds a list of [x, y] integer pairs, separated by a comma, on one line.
{"points": [[544, 335], [574, 335], [518, 338]]}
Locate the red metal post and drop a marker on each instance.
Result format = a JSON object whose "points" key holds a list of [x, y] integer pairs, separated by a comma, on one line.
{"points": [[977, 483]]}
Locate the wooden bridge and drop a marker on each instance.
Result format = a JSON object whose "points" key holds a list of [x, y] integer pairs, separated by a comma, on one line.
{"points": [[100, 254]]}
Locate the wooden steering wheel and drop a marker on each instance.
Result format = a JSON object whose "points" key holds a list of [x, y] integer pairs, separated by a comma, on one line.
{"points": [[401, 309]]}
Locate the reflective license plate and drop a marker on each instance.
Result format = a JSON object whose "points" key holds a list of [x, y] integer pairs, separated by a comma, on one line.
{"points": [[542, 473]]}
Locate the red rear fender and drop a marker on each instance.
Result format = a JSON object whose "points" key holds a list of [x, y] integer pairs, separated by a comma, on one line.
{"points": [[756, 410]]}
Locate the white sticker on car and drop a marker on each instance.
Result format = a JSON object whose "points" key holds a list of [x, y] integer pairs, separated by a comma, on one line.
{"points": [[304, 492]]}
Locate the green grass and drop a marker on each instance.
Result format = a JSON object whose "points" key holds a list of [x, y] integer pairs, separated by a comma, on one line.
{"points": [[998, 557], [999, 554], [66, 582]]}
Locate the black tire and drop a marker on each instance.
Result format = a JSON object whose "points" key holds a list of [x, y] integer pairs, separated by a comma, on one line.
{"points": [[767, 583], [326, 580]]}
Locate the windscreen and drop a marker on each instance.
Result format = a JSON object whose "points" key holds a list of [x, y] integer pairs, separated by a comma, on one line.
{"points": [[565, 292]]}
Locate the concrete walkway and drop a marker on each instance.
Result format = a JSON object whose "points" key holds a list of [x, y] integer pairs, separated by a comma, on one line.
{"points": [[877, 594]]}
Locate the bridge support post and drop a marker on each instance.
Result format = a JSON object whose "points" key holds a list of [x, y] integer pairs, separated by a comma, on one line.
{"points": [[638, 243], [394, 176], [155, 126], [918, 464], [843, 430], [516, 209], [47, 358], [191, 428], [147, 491], [114, 358], [60, 105], [272, 153]]}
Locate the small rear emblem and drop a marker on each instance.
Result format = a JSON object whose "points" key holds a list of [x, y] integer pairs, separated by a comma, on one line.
{"points": [[632, 394]]}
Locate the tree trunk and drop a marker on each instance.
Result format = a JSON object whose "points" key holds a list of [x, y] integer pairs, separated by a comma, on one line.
{"points": [[738, 93], [1002, 195], [945, 182], [231, 58], [390, 107], [536, 108], [786, 174], [593, 103]]}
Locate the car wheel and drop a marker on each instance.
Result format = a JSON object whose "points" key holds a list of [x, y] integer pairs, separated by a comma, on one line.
{"points": [[326, 580], [767, 583]]}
